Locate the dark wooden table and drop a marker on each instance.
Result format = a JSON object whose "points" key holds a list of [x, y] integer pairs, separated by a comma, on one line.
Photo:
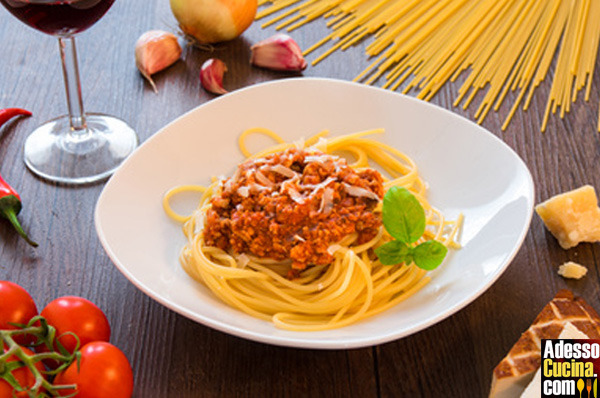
{"points": [[175, 357]]}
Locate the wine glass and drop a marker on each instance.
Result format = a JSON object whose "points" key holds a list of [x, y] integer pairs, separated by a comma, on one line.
{"points": [[78, 147]]}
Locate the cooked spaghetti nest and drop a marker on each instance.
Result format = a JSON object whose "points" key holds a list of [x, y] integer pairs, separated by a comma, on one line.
{"points": [[354, 286]]}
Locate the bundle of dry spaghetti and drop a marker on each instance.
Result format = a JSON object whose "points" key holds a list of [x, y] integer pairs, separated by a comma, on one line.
{"points": [[500, 46]]}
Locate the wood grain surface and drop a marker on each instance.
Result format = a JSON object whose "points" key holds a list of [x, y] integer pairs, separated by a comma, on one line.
{"points": [[175, 357]]}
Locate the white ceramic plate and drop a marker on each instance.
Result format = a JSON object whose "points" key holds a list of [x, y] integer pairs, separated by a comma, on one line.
{"points": [[468, 169]]}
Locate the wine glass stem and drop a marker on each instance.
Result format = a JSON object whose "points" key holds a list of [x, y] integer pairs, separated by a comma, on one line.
{"points": [[68, 56]]}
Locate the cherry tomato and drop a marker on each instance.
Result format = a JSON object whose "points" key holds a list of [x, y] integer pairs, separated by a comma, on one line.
{"points": [[79, 316], [23, 375], [16, 306], [104, 372]]}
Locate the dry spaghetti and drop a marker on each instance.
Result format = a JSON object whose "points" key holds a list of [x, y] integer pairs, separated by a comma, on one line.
{"points": [[334, 279], [423, 44]]}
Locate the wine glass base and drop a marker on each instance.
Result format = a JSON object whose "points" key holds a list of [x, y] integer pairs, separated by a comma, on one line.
{"points": [[54, 152]]}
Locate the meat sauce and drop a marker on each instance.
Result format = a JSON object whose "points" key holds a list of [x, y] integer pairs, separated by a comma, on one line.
{"points": [[294, 205]]}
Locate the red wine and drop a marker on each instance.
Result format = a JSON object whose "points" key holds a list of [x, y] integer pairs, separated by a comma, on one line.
{"points": [[58, 17]]}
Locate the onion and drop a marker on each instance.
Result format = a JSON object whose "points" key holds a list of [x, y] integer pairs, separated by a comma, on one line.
{"points": [[213, 21]]}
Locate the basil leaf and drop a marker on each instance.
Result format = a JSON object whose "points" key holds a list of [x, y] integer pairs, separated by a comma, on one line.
{"points": [[429, 255], [393, 252], [403, 216]]}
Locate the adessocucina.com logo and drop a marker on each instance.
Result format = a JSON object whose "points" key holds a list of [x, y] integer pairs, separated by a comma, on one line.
{"points": [[569, 368]]}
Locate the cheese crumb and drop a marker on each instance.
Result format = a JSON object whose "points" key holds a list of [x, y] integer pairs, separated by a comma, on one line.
{"points": [[572, 270], [572, 217]]}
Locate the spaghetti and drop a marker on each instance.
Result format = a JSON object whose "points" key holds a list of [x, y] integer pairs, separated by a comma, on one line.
{"points": [[423, 44], [313, 269]]}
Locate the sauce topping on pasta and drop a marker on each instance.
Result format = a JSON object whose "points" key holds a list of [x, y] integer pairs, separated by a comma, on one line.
{"points": [[294, 205]]}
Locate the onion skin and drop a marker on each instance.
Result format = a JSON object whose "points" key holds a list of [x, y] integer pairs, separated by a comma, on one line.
{"points": [[214, 21]]}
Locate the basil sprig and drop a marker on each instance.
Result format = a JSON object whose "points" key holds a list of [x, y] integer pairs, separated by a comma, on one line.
{"points": [[404, 220]]}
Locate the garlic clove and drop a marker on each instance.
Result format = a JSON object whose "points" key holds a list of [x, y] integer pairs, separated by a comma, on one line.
{"points": [[156, 50], [278, 52], [211, 75]]}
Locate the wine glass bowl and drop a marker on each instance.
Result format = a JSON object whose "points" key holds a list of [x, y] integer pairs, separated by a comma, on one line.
{"points": [[58, 17], [78, 147]]}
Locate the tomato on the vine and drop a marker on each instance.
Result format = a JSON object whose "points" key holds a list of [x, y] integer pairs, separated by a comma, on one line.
{"points": [[104, 371], [23, 375], [79, 316], [16, 306]]}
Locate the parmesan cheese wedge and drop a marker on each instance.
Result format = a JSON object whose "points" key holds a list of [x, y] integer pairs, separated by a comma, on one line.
{"points": [[514, 373], [570, 332], [534, 389], [572, 217]]}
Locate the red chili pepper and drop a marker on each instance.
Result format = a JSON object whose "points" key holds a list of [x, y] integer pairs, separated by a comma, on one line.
{"points": [[9, 113], [10, 206], [10, 201]]}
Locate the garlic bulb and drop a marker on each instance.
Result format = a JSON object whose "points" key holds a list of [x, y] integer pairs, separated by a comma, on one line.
{"points": [[156, 50]]}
